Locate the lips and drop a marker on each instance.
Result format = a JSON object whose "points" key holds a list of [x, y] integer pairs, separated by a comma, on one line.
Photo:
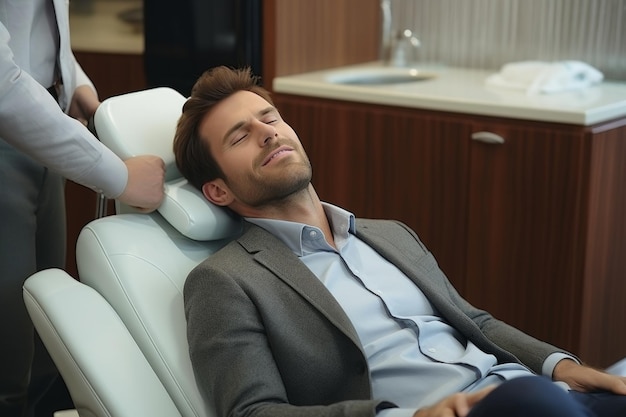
{"points": [[279, 151]]}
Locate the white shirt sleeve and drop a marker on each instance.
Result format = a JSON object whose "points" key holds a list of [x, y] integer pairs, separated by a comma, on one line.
{"points": [[31, 121]]}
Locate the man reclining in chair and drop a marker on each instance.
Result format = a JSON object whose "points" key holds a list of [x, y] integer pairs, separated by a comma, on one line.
{"points": [[312, 312]]}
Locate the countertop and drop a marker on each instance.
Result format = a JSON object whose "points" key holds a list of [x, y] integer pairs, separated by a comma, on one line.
{"points": [[99, 28], [465, 91]]}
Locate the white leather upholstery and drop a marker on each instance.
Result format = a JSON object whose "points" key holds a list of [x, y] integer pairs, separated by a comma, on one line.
{"points": [[144, 122], [135, 124], [105, 370], [194, 216], [132, 269], [139, 263]]}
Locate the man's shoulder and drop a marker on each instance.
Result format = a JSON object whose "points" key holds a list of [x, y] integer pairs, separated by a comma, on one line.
{"points": [[382, 226], [388, 234], [221, 263], [251, 240]]}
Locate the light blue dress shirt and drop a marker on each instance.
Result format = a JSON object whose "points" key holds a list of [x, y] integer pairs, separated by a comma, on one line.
{"points": [[415, 358]]}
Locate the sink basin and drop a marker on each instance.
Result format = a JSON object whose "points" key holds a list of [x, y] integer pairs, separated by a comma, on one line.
{"points": [[378, 76]]}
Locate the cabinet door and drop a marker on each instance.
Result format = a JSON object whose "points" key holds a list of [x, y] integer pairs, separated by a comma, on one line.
{"points": [[602, 336], [383, 162], [526, 228]]}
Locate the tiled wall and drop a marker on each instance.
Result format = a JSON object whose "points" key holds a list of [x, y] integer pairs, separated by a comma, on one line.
{"points": [[489, 33]]}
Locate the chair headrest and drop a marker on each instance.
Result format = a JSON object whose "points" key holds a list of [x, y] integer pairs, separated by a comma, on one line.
{"points": [[186, 209], [144, 123], [141, 123]]}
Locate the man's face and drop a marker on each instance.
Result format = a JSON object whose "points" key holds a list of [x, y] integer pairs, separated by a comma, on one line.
{"points": [[261, 156]]}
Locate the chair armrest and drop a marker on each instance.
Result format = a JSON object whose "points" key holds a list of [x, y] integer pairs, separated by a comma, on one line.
{"points": [[105, 372]]}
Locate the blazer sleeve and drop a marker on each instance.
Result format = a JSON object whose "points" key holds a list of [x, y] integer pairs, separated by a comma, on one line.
{"points": [[528, 350], [490, 334]]}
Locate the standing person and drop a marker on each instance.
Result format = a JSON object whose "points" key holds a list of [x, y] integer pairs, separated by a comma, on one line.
{"points": [[45, 101], [312, 312]]}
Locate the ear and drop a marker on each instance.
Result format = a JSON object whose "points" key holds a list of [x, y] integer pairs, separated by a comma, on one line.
{"points": [[217, 192]]}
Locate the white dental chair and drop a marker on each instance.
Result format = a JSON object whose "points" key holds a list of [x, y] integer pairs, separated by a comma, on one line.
{"points": [[118, 336]]}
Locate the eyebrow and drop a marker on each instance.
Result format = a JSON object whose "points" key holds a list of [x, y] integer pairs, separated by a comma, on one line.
{"points": [[242, 123]]}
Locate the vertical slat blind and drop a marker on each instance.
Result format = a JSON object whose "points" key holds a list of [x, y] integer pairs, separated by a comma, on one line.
{"points": [[489, 33]]}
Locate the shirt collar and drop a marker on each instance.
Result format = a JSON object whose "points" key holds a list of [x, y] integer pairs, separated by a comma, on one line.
{"points": [[304, 239]]}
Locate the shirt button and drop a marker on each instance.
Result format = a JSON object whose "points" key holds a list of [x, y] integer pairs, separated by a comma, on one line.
{"points": [[432, 350], [312, 233]]}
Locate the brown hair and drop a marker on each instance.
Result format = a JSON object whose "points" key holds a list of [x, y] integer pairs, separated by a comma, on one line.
{"points": [[192, 152]]}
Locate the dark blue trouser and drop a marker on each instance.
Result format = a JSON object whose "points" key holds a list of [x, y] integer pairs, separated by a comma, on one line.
{"points": [[536, 396]]}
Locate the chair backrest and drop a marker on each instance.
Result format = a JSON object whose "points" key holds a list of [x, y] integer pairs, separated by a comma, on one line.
{"points": [[137, 262]]}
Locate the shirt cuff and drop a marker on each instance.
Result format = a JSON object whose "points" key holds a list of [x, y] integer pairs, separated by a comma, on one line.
{"points": [[109, 176], [550, 363]]}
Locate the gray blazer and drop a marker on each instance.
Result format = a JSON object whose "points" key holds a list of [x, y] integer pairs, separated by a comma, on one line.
{"points": [[267, 338]]}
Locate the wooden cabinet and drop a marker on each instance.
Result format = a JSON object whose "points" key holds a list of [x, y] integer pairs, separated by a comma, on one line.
{"points": [[531, 229], [538, 254]]}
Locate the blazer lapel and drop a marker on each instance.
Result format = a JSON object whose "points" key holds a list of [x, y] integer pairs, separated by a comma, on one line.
{"points": [[379, 239], [270, 252]]}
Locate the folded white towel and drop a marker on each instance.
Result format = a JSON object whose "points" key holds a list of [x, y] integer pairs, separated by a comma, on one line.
{"points": [[536, 77]]}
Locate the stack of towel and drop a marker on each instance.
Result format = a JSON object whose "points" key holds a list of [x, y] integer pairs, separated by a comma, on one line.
{"points": [[536, 77]]}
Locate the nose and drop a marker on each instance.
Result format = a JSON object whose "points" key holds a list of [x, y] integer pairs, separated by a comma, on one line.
{"points": [[268, 134]]}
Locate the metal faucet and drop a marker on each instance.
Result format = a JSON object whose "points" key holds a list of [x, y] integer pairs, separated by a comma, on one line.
{"points": [[404, 49], [385, 39], [397, 48]]}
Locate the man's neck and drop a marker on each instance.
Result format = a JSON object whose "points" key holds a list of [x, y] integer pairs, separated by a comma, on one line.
{"points": [[302, 207]]}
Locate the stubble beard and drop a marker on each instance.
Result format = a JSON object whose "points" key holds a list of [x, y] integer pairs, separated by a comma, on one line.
{"points": [[279, 191]]}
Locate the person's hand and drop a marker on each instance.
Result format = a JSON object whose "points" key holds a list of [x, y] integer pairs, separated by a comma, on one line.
{"points": [[586, 379], [84, 104], [456, 405], [144, 190]]}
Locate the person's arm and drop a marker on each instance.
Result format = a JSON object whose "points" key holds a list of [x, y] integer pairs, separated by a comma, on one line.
{"points": [[144, 187], [31, 121], [485, 328], [530, 351], [84, 104], [586, 379]]}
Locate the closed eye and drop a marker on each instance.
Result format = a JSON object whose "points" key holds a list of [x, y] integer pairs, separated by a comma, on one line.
{"points": [[239, 138], [270, 120]]}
